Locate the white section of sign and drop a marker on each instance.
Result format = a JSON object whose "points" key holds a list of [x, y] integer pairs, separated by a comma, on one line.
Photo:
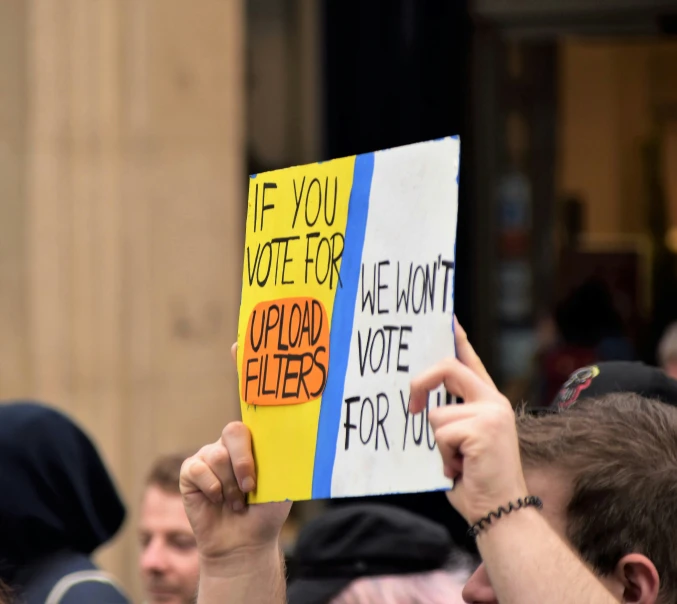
{"points": [[410, 235]]}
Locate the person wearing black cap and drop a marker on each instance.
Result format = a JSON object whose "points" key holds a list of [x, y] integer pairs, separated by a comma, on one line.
{"points": [[598, 380], [376, 553]]}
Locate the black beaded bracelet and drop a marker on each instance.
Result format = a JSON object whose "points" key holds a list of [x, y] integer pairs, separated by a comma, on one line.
{"points": [[481, 524]]}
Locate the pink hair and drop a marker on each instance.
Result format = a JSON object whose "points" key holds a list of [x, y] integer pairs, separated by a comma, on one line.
{"points": [[437, 587]]}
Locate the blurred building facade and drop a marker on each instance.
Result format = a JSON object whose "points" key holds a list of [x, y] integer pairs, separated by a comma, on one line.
{"points": [[575, 106]]}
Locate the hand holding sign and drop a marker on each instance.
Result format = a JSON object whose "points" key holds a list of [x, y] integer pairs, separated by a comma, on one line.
{"points": [[477, 440], [214, 483], [213, 495]]}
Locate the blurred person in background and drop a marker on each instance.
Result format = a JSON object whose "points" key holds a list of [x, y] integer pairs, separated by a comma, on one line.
{"points": [[58, 504], [589, 329], [5, 594], [376, 554], [667, 351], [169, 558]]}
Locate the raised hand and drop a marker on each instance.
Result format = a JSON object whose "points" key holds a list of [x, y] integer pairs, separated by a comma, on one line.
{"points": [[214, 483], [477, 439]]}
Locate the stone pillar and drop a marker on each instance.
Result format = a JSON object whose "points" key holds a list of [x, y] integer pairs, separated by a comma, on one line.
{"points": [[123, 231]]}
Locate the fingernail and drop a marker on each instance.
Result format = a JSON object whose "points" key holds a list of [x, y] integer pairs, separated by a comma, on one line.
{"points": [[237, 505], [248, 484]]}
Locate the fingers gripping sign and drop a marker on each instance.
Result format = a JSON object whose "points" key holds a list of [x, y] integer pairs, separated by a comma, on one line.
{"points": [[214, 483], [477, 440], [457, 379]]}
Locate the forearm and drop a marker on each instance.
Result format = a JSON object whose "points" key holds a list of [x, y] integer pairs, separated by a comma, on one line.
{"points": [[244, 578], [528, 563]]}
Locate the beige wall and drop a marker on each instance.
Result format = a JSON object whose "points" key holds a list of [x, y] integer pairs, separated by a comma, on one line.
{"points": [[611, 96], [121, 215]]}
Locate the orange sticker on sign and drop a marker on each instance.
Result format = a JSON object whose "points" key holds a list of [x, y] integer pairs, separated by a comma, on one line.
{"points": [[286, 352]]}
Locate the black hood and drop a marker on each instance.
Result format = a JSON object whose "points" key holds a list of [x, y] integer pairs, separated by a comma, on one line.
{"points": [[55, 492]]}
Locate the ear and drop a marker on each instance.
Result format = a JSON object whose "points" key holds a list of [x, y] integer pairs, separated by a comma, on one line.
{"points": [[639, 579]]}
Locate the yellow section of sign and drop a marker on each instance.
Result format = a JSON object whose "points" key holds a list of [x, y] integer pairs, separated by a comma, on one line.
{"points": [[295, 237]]}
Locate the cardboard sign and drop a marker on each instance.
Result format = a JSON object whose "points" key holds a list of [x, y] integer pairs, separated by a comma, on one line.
{"points": [[348, 291]]}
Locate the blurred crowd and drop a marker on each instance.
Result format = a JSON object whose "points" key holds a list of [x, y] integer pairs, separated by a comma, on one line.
{"points": [[601, 455]]}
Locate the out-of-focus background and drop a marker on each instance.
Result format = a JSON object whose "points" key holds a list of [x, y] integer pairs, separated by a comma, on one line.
{"points": [[128, 128]]}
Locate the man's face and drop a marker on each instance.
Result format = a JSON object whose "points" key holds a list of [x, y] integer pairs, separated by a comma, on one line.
{"points": [[169, 559], [554, 491]]}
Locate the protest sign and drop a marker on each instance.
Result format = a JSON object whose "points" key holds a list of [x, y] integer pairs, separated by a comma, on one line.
{"points": [[348, 292]]}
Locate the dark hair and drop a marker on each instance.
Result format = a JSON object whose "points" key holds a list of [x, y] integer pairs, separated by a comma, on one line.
{"points": [[166, 471], [588, 315], [620, 452]]}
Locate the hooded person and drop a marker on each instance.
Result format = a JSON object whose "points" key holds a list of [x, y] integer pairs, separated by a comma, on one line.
{"points": [[58, 504]]}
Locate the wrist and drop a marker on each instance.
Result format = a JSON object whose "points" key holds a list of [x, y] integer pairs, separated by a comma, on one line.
{"points": [[241, 561], [509, 525], [513, 505], [492, 500]]}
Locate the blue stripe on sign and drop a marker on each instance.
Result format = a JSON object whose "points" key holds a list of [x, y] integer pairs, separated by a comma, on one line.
{"points": [[342, 327]]}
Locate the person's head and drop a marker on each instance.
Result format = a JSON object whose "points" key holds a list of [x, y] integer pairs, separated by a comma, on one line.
{"points": [[169, 560], [606, 470], [434, 587], [55, 491], [667, 351], [370, 553], [588, 314]]}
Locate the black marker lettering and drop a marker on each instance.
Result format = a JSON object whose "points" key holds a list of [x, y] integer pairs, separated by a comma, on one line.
{"points": [[326, 200], [363, 356], [319, 201], [379, 288], [309, 236], [448, 266], [264, 206], [297, 196], [380, 418], [371, 422], [336, 254], [347, 425], [403, 346], [369, 297], [405, 410], [250, 377], [323, 368]]}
